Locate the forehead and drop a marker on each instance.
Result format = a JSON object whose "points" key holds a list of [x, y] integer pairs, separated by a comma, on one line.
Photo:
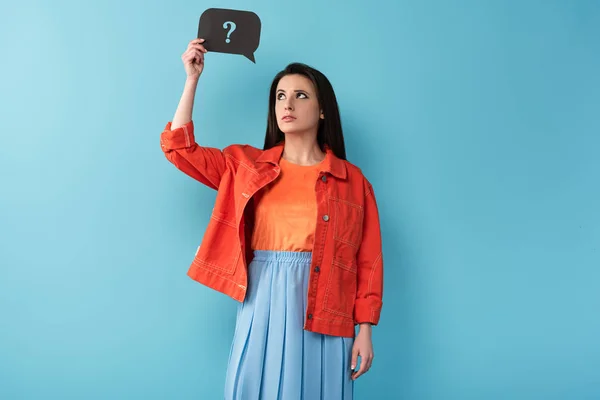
{"points": [[295, 82]]}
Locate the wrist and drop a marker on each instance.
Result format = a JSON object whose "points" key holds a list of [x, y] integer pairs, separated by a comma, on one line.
{"points": [[192, 80]]}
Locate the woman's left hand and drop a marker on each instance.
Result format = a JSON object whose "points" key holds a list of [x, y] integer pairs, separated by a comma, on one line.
{"points": [[363, 347]]}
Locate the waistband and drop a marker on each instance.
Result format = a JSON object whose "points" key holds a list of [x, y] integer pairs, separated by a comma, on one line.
{"points": [[278, 255]]}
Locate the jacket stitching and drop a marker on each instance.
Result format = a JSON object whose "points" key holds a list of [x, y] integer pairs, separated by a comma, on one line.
{"points": [[338, 220], [321, 249], [204, 262], [220, 276], [339, 239], [223, 221], [344, 267], [346, 202], [373, 268], [345, 321], [216, 266], [347, 268], [326, 297], [340, 313], [328, 285]]}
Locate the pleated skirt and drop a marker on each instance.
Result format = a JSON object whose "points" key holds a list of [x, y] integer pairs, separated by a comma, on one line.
{"points": [[272, 357]]}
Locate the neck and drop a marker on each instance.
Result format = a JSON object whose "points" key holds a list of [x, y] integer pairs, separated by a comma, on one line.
{"points": [[302, 149]]}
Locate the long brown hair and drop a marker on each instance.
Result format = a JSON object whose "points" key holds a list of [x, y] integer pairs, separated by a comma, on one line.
{"points": [[330, 129]]}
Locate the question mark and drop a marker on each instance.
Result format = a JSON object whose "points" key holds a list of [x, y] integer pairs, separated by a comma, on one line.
{"points": [[232, 26]]}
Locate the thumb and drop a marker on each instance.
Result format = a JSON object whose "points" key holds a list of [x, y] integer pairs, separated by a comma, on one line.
{"points": [[354, 358]]}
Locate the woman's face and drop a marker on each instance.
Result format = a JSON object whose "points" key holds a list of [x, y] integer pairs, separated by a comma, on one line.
{"points": [[296, 105]]}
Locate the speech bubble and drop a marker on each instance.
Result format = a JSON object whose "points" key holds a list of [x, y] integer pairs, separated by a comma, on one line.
{"points": [[230, 31]]}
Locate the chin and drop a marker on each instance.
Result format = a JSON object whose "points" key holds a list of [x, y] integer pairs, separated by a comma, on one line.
{"points": [[290, 130], [295, 132]]}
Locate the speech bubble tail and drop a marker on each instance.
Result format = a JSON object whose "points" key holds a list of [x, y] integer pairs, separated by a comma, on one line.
{"points": [[250, 57]]}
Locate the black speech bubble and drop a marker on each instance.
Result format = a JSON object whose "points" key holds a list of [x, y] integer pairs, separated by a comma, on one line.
{"points": [[223, 37]]}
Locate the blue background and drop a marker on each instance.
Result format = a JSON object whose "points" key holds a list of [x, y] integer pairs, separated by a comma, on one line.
{"points": [[477, 123]]}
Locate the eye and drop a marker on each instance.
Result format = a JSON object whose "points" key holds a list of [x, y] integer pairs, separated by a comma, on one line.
{"points": [[302, 94], [279, 96]]}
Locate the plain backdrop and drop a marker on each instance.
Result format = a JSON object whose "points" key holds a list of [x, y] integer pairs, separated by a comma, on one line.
{"points": [[478, 123]]}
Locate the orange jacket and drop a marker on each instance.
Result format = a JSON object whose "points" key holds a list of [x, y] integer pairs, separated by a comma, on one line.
{"points": [[346, 277]]}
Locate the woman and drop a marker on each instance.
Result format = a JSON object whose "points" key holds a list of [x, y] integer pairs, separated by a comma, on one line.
{"points": [[294, 237]]}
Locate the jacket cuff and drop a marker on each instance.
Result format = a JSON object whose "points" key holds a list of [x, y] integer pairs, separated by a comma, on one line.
{"points": [[178, 138], [367, 310]]}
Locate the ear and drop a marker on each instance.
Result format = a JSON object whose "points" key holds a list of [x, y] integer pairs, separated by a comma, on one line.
{"points": [[322, 116]]}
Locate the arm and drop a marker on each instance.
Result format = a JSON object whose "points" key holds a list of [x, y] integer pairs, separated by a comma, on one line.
{"points": [[183, 114], [368, 303], [205, 164]]}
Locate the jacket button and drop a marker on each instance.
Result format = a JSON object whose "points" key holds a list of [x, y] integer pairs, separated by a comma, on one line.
{"points": [[324, 178], [309, 316], [325, 217], [317, 269]]}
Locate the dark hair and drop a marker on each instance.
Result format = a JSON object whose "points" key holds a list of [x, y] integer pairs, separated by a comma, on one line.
{"points": [[330, 129]]}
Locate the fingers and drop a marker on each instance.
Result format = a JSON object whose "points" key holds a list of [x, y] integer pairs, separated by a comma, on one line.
{"points": [[354, 358], [365, 365], [193, 57], [196, 44], [354, 363], [363, 368], [193, 52], [360, 371]]}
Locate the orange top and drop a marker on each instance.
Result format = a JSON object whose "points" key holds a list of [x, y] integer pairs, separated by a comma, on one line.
{"points": [[286, 212]]}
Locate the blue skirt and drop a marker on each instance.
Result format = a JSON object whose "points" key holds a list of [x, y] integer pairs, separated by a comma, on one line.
{"points": [[272, 357]]}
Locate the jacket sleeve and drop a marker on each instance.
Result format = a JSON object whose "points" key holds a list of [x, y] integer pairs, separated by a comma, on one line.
{"points": [[205, 164], [369, 295]]}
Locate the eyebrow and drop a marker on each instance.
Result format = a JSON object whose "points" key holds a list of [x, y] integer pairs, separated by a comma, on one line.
{"points": [[297, 90]]}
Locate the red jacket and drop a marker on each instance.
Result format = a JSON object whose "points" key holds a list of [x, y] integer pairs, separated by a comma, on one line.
{"points": [[346, 277]]}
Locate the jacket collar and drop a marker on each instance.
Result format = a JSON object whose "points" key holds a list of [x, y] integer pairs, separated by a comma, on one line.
{"points": [[332, 164]]}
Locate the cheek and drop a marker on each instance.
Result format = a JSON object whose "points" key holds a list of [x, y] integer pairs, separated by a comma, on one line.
{"points": [[279, 108], [313, 110], [310, 113], [304, 108]]}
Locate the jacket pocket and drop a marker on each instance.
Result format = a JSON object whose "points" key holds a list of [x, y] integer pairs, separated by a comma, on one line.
{"points": [[347, 231], [220, 248], [348, 221], [341, 290]]}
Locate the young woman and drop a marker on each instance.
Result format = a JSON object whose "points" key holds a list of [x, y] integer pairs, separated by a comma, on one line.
{"points": [[294, 237]]}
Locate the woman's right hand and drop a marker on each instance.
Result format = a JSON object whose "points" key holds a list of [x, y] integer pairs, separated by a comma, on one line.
{"points": [[193, 58]]}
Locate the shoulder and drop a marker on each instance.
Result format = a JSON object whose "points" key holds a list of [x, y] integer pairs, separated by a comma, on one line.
{"points": [[356, 177]]}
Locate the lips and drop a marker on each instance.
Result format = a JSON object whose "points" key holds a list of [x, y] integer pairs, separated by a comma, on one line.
{"points": [[288, 118]]}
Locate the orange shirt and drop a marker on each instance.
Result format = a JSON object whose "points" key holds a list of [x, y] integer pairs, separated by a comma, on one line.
{"points": [[286, 212]]}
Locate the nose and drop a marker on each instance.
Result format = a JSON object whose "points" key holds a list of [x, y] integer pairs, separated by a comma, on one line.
{"points": [[288, 104]]}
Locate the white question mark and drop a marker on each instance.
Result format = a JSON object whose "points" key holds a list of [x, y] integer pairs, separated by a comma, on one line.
{"points": [[232, 28]]}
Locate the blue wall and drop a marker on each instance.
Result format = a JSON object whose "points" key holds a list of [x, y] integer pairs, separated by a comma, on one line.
{"points": [[477, 122]]}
